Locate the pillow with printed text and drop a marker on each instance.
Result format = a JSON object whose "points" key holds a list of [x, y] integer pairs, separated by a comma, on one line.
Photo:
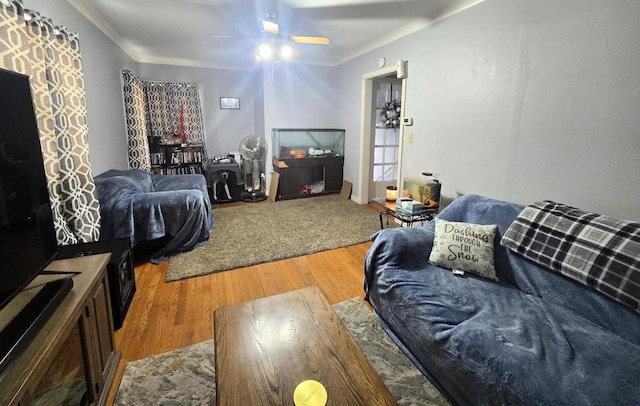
{"points": [[464, 247]]}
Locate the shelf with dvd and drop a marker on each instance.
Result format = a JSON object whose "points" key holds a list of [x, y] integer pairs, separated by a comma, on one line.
{"points": [[177, 159]]}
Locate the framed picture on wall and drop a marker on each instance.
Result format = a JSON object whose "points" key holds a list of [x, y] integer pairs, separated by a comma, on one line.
{"points": [[232, 103]]}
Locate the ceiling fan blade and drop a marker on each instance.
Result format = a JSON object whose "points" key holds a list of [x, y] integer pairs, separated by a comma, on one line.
{"points": [[310, 40], [270, 26], [233, 38]]}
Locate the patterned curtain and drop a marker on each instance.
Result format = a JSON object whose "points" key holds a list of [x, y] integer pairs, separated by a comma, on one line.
{"points": [[174, 107], [135, 112], [171, 111], [30, 44]]}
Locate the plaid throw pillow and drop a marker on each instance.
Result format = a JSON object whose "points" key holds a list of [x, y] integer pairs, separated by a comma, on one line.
{"points": [[597, 250]]}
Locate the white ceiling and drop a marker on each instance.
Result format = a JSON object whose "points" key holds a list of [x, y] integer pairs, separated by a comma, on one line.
{"points": [[176, 32]]}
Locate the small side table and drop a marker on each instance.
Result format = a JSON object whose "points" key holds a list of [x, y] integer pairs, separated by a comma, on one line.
{"points": [[405, 220]]}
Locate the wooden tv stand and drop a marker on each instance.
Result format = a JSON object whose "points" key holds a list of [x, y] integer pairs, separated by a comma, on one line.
{"points": [[76, 345]]}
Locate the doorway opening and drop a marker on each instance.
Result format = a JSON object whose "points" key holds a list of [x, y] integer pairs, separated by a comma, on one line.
{"points": [[386, 138], [380, 145]]}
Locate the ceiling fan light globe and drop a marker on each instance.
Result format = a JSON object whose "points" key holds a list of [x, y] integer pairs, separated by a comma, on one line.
{"points": [[286, 52], [265, 51]]}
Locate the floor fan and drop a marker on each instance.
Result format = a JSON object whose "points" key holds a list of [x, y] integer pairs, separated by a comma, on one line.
{"points": [[253, 150]]}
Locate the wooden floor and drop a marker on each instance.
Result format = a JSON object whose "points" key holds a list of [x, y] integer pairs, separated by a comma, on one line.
{"points": [[166, 316]]}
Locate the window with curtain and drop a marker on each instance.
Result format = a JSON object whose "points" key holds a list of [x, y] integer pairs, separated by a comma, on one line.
{"points": [[50, 55], [171, 111]]}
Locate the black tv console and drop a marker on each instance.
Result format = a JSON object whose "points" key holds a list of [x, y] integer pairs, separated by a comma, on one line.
{"points": [[122, 281]]}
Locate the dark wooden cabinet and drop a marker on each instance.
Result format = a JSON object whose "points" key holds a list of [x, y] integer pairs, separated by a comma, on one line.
{"points": [[99, 340], [309, 161], [72, 359], [298, 174]]}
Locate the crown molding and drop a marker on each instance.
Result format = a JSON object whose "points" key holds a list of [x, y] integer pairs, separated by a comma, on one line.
{"points": [[414, 26], [191, 63], [96, 19]]}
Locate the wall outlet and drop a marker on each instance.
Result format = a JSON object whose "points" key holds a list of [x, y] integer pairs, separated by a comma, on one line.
{"points": [[410, 138]]}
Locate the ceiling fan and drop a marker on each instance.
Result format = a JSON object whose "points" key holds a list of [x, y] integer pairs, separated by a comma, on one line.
{"points": [[275, 45], [270, 26]]}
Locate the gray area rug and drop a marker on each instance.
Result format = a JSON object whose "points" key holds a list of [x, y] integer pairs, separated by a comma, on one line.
{"points": [[187, 376], [264, 232]]}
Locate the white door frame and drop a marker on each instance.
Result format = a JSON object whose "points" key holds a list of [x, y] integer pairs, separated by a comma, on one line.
{"points": [[366, 127]]}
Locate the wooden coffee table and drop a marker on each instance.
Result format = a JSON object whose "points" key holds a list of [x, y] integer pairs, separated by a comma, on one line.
{"points": [[266, 347]]}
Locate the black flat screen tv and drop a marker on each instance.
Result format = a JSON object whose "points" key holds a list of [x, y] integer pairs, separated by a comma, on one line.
{"points": [[27, 239]]}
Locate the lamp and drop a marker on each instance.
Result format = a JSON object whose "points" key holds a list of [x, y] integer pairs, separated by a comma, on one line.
{"points": [[391, 195], [273, 51], [431, 191], [265, 51], [286, 51]]}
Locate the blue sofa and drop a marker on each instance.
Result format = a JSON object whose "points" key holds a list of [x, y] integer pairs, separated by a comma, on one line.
{"points": [[141, 206], [535, 337]]}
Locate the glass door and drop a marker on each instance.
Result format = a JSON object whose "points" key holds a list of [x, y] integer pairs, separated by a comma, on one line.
{"points": [[386, 138], [65, 382]]}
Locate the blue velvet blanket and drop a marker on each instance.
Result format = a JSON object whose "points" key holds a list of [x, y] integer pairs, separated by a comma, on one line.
{"points": [[533, 338], [137, 205]]}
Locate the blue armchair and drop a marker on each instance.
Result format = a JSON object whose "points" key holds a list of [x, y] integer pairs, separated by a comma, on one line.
{"points": [[140, 206]]}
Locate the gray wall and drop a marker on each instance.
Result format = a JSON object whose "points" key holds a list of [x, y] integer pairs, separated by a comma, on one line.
{"points": [[224, 128], [512, 99], [522, 101], [102, 60], [258, 102], [298, 96]]}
